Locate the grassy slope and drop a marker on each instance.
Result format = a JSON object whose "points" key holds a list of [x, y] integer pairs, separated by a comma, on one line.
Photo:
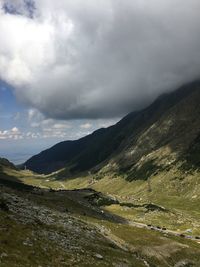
{"points": [[177, 192], [38, 249], [156, 248]]}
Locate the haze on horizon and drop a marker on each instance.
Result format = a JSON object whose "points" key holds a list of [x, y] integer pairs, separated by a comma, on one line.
{"points": [[70, 67]]}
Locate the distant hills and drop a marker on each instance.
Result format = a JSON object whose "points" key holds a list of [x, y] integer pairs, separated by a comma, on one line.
{"points": [[164, 134]]}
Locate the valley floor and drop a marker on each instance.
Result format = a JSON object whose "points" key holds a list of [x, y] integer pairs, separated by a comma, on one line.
{"points": [[42, 227], [58, 227]]}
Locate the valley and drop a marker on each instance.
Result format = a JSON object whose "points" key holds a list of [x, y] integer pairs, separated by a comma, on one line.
{"points": [[86, 227], [126, 195]]}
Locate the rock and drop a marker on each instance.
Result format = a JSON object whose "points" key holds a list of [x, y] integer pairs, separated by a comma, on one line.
{"points": [[3, 205], [3, 255], [184, 263], [98, 256]]}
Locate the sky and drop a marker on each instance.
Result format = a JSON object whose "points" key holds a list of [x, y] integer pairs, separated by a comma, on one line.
{"points": [[69, 67]]}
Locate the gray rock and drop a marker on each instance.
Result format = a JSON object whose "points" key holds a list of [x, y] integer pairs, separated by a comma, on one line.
{"points": [[98, 256]]}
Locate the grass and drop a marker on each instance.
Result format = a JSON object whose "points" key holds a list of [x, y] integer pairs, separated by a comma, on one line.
{"points": [[177, 192], [40, 252], [154, 247], [35, 243]]}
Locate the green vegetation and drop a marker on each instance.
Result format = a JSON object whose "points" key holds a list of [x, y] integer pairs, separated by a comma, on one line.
{"points": [[124, 196], [142, 172], [192, 156], [116, 241]]}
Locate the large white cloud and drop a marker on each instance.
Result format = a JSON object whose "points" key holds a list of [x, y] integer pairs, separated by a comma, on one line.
{"points": [[92, 59]]}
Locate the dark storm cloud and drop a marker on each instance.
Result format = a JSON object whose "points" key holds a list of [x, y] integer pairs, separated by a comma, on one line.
{"points": [[19, 7], [97, 59]]}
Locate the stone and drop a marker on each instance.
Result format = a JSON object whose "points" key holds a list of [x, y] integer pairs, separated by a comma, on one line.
{"points": [[98, 256]]}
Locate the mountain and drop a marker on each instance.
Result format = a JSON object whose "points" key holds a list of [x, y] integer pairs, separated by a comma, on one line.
{"points": [[6, 163], [138, 180], [165, 133], [7, 169]]}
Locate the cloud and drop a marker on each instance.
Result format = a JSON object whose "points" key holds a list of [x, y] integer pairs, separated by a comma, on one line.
{"points": [[17, 134], [89, 59], [19, 7], [86, 125], [48, 128], [13, 133]]}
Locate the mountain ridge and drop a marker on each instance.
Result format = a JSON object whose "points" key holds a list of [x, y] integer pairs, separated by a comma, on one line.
{"points": [[92, 152]]}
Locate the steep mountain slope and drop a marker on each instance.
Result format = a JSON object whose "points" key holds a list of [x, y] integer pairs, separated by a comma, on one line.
{"points": [[173, 139], [138, 139]]}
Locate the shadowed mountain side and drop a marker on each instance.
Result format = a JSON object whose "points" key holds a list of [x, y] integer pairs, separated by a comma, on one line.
{"points": [[172, 139], [5, 177], [6, 163], [137, 134]]}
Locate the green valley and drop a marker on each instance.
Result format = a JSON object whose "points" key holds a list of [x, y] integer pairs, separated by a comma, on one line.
{"points": [[127, 195]]}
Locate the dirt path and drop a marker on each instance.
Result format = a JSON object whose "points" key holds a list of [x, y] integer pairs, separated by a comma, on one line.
{"points": [[164, 231]]}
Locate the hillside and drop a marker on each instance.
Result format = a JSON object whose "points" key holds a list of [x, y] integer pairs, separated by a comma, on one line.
{"points": [[7, 168], [172, 140], [152, 138], [134, 193], [88, 228], [12, 176], [6, 163]]}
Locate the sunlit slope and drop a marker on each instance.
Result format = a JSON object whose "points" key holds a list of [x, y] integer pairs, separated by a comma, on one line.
{"points": [[172, 141], [80, 228]]}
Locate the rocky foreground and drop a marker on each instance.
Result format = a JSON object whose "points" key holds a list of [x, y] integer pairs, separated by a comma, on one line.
{"points": [[42, 227], [33, 234]]}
